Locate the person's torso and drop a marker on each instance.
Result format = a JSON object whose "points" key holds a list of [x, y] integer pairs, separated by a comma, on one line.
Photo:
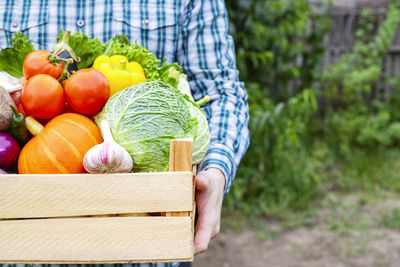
{"points": [[153, 23]]}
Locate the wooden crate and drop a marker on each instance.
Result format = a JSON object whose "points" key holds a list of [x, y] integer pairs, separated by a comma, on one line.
{"points": [[87, 218]]}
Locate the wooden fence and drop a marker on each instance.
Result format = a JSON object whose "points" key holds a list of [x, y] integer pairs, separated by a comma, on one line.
{"points": [[345, 14]]}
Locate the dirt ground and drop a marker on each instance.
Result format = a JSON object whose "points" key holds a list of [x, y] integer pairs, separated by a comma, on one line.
{"points": [[347, 232]]}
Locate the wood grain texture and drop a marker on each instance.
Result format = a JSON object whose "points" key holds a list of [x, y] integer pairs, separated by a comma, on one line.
{"points": [[134, 233], [180, 159], [180, 155], [192, 214], [96, 240], [30, 196]]}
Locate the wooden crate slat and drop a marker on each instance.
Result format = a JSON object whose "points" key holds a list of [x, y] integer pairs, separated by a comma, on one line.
{"points": [[180, 159], [97, 240], [180, 154], [30, 196]]}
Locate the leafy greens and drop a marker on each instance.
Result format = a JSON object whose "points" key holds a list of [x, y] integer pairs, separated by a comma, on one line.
{"points": [[144, 119], [202, 139], [12, 58], [173, 74], [87, 49]]}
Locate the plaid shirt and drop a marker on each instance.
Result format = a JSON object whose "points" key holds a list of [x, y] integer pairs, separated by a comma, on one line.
{"points": [[192, 33]]}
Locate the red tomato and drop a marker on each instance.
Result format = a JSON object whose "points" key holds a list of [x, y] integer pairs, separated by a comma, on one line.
{"points": [[43, 97], [37, 62], [67, 109], [87, 91]]}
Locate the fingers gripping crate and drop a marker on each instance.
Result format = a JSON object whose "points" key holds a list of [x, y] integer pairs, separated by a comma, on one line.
{"points": [[107, 218]]}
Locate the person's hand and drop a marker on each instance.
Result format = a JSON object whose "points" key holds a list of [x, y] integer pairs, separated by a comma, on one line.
{"points": [[210, 186]]}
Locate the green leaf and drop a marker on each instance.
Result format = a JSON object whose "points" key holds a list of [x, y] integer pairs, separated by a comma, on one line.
{"points": [[12, 58], [170, 73], [86, 48]]}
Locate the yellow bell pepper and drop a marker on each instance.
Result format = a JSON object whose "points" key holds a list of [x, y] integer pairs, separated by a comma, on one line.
{"points": [[119, 72]]}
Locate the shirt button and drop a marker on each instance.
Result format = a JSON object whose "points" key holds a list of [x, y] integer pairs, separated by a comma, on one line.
{"points": [[80, 23], [146, 22], [14, 24]]}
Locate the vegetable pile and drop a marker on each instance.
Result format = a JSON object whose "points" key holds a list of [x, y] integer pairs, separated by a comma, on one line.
{"points": [[57, 106]]}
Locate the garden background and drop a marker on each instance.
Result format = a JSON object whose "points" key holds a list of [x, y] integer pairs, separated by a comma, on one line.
{"points": [[320, 183]]}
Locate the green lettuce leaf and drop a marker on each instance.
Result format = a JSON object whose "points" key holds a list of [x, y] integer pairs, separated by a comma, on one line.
{"points": [[12, 58], [170, 73], [88, 49], [173, 74]]}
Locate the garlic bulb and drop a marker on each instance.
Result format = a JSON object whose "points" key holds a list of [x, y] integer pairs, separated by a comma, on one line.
{"points": [[10, 83], [107, 157]]}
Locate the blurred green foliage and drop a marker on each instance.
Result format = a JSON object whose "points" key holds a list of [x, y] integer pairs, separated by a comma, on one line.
{"points": [[352, 115], [279, 44], [298, 145], [276, 173]]}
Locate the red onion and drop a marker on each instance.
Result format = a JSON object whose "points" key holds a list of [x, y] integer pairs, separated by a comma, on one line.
{"points": [[9, 151]]}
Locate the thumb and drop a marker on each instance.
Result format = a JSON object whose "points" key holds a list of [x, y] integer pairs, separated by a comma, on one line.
{"points": [[202, 181]]}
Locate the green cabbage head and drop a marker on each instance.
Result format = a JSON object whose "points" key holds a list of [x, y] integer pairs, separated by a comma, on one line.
{"points": [[144, 119]]}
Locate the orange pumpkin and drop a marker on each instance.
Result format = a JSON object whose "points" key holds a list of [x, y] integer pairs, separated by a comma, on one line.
{"points": [[60, 146]]}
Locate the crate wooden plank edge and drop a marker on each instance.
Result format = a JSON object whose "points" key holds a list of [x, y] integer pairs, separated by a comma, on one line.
{"points": [[29, 196], [99, 262], [90, 240]]}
